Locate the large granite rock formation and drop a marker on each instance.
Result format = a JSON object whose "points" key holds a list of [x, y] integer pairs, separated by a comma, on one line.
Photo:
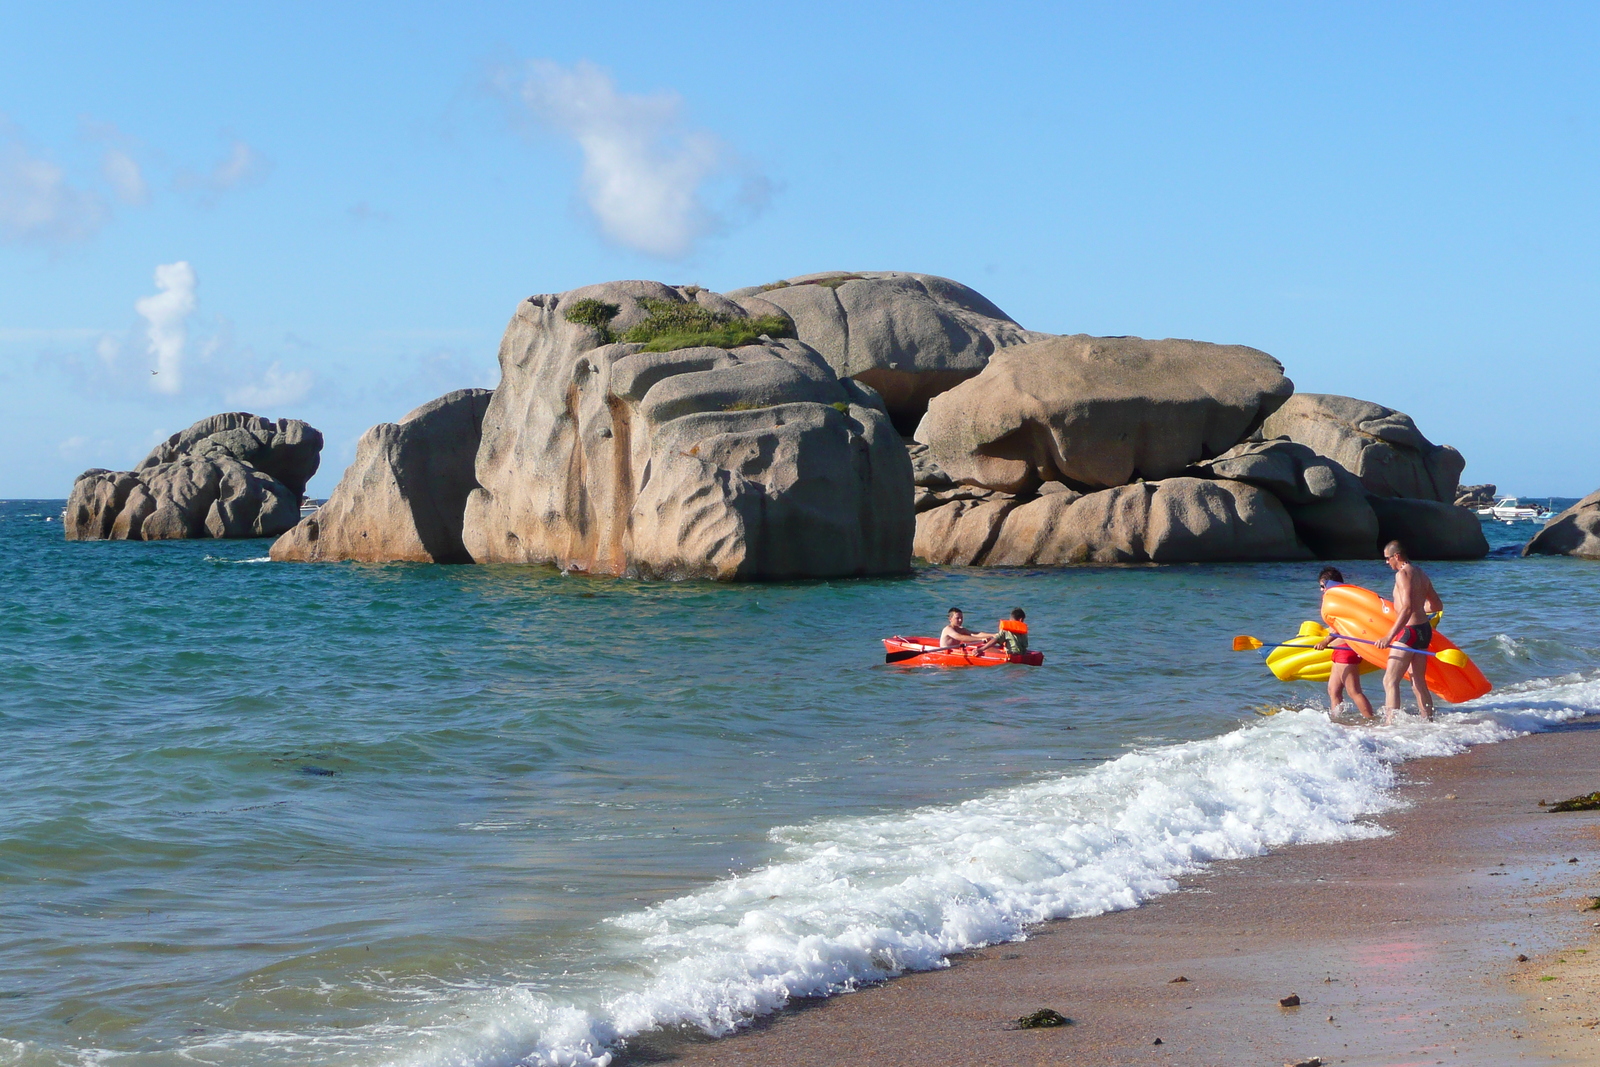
{"points": [[1429, 529], [908, 336], [231, 475], [1099, 412], [1574, 532], [1379, 445], [754, 461], [406, 493], [1179, 520]]}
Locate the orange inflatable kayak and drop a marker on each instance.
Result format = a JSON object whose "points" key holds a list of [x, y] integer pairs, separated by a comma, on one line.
{"points": [[927, 653], [1356, 612]]}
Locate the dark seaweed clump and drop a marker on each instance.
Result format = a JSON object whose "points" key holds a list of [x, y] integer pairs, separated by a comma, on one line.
{"points": [[1042, 1018], [1582, 803]]}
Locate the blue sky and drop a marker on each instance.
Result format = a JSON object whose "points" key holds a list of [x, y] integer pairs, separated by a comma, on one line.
{"points": [[1397, 201]]}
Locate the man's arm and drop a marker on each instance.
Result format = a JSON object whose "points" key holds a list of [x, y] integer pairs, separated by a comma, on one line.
{"points": [[1431, 601]]}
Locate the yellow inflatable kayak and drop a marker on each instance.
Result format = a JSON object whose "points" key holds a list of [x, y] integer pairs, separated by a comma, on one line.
{"points": [[1296, 661]]}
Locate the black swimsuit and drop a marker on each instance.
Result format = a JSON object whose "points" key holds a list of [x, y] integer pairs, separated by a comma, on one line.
{"points": [[1416, 637]]}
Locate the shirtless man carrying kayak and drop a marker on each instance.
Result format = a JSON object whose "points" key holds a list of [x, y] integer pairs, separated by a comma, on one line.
{"points": [[1414, 600], [956, 633]]}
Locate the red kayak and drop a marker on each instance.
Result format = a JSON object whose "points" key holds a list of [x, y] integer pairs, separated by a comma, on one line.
{"points": [[925, 652]]}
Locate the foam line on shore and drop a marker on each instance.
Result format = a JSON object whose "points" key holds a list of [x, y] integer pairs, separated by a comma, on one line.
{"points": [[860, 899]]}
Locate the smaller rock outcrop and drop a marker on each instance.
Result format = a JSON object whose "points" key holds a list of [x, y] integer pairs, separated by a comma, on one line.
{"points": [[1327, 503], [1099, 412], [1179, 520], [1574, 532], [1429, 529], [1475, 496], [229, 476], [404, 496], [908, 336], [1379, 445]]}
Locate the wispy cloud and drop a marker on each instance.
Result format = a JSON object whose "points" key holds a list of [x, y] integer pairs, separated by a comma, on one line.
{"points": [[42, 203], [647, 174], [241, 166], [119, 163], [166, 315], [276, 387], [38, 204], [126, 178]]}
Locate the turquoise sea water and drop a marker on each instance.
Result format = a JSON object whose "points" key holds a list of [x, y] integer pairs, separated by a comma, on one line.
{"points": [[362, 814]]}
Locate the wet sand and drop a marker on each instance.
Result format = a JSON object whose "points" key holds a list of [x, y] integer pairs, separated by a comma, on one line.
{"points": [[1402, 950]]}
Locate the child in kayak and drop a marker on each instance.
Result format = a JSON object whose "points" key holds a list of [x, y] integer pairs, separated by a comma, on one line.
{"points": [[1013, 635], [1345, 676]]}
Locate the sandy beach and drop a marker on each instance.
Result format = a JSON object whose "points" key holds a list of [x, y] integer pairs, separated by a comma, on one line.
{"points": [[1403, 949]]}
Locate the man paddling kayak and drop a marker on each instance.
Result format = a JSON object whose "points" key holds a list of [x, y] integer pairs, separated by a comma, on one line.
{"points": [[956, 632], [1414, 600]]}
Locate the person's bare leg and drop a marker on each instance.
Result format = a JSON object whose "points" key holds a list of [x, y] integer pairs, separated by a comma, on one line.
{"points": [[1392, 674], [1419, 686], [1352, 688], [1335, 685]]}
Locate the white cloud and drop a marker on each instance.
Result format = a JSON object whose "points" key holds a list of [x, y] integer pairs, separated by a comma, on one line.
{"points": [[175, 351], [276, 387], [167, 315], [646, 174], [37, 202]]}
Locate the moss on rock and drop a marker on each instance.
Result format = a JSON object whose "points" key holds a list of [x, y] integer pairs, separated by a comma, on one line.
{"points": [[669, 326]]}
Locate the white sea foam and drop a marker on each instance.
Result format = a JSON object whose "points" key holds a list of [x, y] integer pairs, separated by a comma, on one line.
{"points": [[860, 899]]}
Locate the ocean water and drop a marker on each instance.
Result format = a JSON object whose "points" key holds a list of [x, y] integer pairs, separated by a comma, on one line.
{"points": [[254, 813]]}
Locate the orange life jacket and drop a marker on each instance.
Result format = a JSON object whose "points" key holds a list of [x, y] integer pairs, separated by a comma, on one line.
{"points": [[1012, 626]]}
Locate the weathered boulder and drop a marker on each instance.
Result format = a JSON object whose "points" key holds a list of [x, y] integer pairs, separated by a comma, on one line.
{"points": [[1291, 472], [404, 497], [1379, 445], [1327, 503], [1179, 520], [1099, 412], [908, 336], [202, 482], [1475, 496], [753, 461], [925, 473], [1429, 529], [1341, 526], [1574, 532]]}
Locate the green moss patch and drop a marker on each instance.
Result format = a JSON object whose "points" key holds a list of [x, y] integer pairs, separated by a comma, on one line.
{"points": [[669, 326], [596, 314]]}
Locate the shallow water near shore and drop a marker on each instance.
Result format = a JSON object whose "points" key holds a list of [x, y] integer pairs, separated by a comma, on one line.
{"points": [[358, 814]]}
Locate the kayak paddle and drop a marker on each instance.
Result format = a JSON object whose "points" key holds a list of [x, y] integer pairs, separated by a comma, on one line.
{"points": [[1451, 656], [913, 653]]}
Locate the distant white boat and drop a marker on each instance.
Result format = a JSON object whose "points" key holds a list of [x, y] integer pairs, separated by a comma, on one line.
{"points": [[309, 507], [1509, 509]]}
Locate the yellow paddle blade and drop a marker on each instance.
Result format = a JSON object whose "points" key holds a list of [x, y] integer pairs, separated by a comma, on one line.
{"points": [[1454, 657], [1246, 644]]}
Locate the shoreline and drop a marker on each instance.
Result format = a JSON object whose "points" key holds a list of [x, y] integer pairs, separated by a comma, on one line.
{"points": [[1402, 949]]}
